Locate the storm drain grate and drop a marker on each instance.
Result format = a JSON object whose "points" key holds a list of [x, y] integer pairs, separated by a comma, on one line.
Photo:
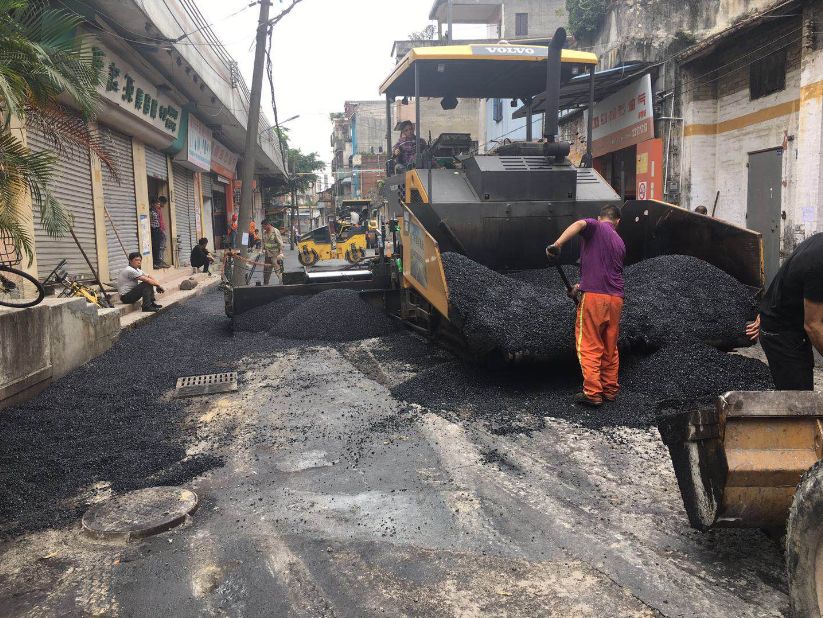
{"points": [[206, 384]]}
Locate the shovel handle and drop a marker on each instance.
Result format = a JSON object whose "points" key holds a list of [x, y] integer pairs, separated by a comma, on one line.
{"points": [[566, 282]]}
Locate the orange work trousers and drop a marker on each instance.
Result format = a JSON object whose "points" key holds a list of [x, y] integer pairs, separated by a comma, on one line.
{"points": [[595, 331]]}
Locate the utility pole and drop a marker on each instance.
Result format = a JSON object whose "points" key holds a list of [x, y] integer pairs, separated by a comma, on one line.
{"points": [[450, 19], [252, 127]]}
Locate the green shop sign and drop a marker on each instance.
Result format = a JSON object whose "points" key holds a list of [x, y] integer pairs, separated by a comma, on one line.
{"points": [[125, 87]]}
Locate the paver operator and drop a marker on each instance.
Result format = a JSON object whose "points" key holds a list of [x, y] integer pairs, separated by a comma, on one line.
{"points": [[272, 245], [790, 322], [600, 293], [405, 150]]}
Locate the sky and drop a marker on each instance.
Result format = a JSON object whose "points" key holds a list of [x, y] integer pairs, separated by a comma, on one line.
{"points": [[325, 52]]}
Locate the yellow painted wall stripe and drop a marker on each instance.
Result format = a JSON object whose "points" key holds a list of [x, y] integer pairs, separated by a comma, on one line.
{"points": [[741, 122], [808, 93]]}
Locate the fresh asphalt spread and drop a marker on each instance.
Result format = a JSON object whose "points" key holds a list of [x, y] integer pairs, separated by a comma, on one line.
{"points": [[112, 423]]}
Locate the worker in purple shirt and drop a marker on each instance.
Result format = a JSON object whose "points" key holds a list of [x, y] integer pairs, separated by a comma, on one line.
{"points": [[597, 325], [405, 150]]}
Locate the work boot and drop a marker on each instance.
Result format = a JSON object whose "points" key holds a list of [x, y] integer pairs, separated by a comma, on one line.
{"points": [[151, 309], [584, 399]]}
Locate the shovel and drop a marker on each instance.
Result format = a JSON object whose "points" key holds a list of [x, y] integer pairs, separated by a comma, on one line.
{"points": [[567, 284], [565, 279]]}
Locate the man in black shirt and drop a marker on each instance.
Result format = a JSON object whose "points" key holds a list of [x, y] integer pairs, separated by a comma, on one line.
{"points": [[790, 323], [200, 256]]}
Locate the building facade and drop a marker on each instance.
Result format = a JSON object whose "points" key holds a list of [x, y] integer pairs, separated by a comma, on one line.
{"points": [[751, 128], [509, 20], [171, 124], [736, 89]]}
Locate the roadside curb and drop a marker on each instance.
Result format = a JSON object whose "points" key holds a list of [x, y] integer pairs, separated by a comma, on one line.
{"points": [[202, 288]]}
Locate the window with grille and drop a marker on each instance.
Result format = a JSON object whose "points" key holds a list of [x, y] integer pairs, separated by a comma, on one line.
{"points": [[768, 75], [521, 24]]}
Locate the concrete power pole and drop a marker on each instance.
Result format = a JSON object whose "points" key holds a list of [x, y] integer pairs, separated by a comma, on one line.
{"points": [[252, 129], [450, 19]]}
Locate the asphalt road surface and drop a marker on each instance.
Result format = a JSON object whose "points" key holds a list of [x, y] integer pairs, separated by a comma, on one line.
{"points": [[337, 500]]}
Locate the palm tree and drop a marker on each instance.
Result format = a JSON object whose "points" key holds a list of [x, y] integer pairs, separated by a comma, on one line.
{"points": [[42, 58]]}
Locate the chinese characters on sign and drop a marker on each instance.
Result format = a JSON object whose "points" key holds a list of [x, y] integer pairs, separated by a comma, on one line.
{"points": [[623, 119], [130, 91], [223, 160]]}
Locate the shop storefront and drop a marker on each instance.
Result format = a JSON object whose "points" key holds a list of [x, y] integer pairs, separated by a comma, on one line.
{"points": [[193, 160], [223, 167], [625, 150], [138, 122], [71, 185], [120, 201]]}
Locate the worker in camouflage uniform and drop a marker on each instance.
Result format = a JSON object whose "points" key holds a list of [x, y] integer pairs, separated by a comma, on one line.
{"points": [[272, 245]]}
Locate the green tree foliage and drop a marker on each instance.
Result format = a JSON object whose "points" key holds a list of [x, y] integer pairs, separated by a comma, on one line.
{"points": [[586, 16], [302, 170], [42, 58], [426, 34]]}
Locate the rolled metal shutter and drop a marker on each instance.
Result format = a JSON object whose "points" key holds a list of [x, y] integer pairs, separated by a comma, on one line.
{"points": [[121, 204], [71, 186], [156, 163], [185, 211], [206, 185]]}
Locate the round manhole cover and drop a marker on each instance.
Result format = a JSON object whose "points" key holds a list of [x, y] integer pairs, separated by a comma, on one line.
{"points": [[141, 513]]}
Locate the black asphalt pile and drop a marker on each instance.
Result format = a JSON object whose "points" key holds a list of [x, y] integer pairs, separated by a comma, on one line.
{"points": [[261, 319], [110, 420], [677, 299], [518, 399], [547, 277], [334, 315], [669, 299], [496, 313]]}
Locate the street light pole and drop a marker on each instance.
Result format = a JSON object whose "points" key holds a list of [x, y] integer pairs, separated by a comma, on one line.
{"points": [[252, 127]]}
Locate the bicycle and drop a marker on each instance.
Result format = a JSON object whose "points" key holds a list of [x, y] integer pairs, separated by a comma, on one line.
{"points": [[71, 287], [18, 289]]}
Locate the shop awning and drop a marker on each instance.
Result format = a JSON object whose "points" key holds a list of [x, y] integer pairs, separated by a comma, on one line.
{"points": [[575, 92]]}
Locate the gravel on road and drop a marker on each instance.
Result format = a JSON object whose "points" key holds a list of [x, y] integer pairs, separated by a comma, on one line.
{"points": [[518, 398], [261, 319], [334, 315], [669, 299], [111, 422]]}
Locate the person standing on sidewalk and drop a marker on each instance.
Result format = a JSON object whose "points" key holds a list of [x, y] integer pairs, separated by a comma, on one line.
{"points": [[272, 245], [790, 322], [133, 284], [600, 293], [156, 224]]}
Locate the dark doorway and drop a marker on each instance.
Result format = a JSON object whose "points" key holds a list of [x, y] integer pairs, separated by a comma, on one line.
{"points": [[219, 223], [158, 188], [763, 204]]}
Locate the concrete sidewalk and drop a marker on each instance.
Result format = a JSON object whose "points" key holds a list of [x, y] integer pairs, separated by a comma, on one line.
{"points": [[131, 315]]}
